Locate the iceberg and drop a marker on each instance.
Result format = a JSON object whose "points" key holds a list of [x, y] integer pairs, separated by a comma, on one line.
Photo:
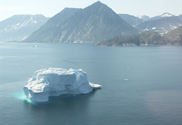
{"points": [[56, 82]]}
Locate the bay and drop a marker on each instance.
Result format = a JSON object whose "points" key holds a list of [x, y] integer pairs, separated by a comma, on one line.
{"points": [[140, 85]]}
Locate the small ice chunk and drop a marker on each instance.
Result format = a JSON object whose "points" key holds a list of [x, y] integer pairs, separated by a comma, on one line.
{"points": [[57, 81]]}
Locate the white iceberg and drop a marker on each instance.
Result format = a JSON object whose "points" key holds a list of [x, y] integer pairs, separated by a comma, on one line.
{"points": [[57, 81]]}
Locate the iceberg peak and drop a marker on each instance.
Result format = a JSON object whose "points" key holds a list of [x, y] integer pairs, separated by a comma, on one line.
{"points": [[55, 82]]}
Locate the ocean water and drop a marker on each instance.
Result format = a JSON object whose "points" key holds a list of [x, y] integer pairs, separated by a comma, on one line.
{"points": [[140, 85]]}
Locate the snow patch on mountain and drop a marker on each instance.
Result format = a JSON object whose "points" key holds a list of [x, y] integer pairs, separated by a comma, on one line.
{"points": [[143, 17], [25, 37], [166, 15]]}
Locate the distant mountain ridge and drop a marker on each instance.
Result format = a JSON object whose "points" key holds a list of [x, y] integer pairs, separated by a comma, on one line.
{"points": [[143, 17], [93, 24], [146, 39], [132, 20], [18, 27], [164, 15], [161, 25]]}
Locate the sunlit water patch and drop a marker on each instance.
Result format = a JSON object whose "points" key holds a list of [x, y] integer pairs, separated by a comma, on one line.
{"points": [[126, 79], [21, 96]]}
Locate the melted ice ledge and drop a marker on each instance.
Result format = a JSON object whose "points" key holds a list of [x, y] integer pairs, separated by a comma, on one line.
{"points": [[57, 81]]}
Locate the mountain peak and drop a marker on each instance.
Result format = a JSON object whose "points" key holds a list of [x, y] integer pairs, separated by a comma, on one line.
{"points": [[143, 17], [98, 2], [99, 8], [166, 14]]}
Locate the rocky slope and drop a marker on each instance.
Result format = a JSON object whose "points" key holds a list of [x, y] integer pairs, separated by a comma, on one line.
{"points": [[174, 37], [143, 39]]}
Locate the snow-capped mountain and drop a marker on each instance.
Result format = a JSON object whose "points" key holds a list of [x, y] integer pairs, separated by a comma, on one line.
{"points": [[143, 17], [162, 16], [166, 15], [18, 27], [161, 25]]}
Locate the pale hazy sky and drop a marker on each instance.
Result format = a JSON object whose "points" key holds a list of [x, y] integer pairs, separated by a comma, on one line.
{"points": [[49, 8]]}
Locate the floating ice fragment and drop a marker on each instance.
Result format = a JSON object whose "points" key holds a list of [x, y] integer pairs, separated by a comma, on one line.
{"points": [[35, 46], [57, 81]]}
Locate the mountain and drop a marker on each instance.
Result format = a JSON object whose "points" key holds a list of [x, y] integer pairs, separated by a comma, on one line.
{"points": [[174, 37], [143, 39], [93, 24], [50, 29], [161, 16], [18, 27], [162, 25], [132, 20], [143, 17]]}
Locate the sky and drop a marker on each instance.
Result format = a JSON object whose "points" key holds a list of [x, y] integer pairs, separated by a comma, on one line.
{"points": [[49, 8]]}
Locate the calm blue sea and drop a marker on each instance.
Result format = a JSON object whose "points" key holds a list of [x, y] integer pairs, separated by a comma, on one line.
{"points": [[140, 85]]}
